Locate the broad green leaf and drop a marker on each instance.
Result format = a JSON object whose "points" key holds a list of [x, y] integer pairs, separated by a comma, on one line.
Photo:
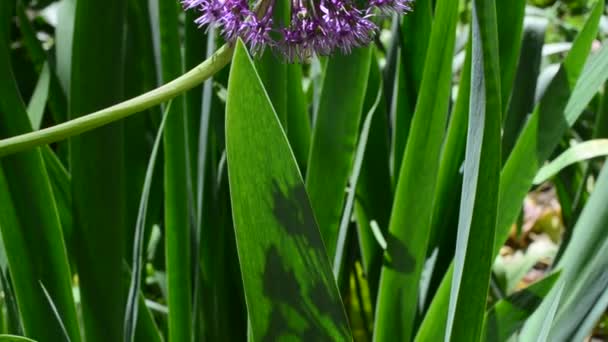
{"points": [[29, 220], [97, 167], [521, 102], [575, 154], [176, 181], [334, 138], [409, 228], [509, 314], [288, 283], [477, 219]]}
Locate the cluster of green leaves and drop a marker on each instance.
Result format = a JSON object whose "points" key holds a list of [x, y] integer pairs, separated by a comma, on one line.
{"points": [[362, 196]]}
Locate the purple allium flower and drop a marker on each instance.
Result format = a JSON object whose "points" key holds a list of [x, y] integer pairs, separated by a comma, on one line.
{"points": [[316, 27]]}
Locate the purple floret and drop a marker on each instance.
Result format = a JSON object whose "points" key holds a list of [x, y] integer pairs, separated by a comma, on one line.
{"points": [[317, 26]]}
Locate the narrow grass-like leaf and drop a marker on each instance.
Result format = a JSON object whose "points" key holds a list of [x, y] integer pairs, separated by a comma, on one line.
{"points": [[413, 37], [50, 85], [177, 223], [449, 182], [140, 76], [534, 146], [132, 307], [29, 220], [591, 320], [374, 189], [554, 298], [409, 228], [521, 102], [562, 103], [353, 181], [289, 286], [298, 120], [583, 264], [477, 219], [510, 23], [13, 320], [35, 108], [56, 313], [64, 34], [97, 167], [575, 154], [334, 138], [509, 314]]}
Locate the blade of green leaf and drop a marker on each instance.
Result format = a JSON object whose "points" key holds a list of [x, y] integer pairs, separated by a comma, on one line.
{"points": [[298, 119], [594, 315], [334, 138], [510, 24], [131, 311], [478, 208], [553, 299], [409, 227], [66, 336], [139, 77], [518, 173], [521, 102], [575, 154], [35, 108], [289, 286], [449, 182], [509, 314], [177, 228], [97, 167], [413, 36], [29, 221], [56, 96], [374, 189], [66, 14], [353, 181], [13, 321], [584, 263]]}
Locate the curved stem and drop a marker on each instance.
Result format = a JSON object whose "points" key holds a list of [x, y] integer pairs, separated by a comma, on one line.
{"points": [[119, 111]]}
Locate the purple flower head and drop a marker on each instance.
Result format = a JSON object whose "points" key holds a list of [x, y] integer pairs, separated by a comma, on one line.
{"points": [[316, 26]]}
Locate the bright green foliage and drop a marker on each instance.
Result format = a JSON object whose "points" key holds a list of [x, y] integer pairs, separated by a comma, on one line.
{"points": [[365, 195], [409, 228]]}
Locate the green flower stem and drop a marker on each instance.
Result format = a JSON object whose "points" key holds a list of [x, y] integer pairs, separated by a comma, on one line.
{"points": [[119, 111]]}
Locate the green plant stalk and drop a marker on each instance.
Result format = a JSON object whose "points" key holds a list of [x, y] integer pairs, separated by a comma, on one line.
{"points": [[85, 123]]}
